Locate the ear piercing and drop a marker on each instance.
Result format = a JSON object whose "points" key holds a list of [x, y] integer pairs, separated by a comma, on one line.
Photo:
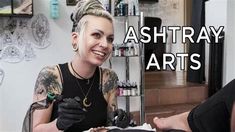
{"points": [[76, 47]]}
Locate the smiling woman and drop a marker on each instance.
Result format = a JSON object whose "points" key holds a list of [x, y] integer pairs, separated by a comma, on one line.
{"points": [[87, 91]]}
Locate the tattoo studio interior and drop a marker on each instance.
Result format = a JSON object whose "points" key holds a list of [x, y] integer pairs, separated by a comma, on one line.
{"points": [[168, 55]]}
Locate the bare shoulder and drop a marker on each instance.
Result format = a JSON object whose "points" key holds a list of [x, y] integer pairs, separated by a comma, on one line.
{"points": [[109, 79], [48, 80]]}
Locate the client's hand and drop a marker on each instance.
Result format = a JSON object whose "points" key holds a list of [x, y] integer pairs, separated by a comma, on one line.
{"points": [[70, 111], [121, 118]]}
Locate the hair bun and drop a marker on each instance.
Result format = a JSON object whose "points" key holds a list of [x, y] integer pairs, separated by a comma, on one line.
{"points": [[85, 7]]}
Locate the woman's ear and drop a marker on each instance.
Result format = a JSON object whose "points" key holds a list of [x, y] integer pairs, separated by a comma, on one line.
{"points": [[74, 37], [75, 41]]}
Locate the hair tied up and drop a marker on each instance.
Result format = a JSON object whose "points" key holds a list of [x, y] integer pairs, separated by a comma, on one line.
{"points": [[74, 23]]}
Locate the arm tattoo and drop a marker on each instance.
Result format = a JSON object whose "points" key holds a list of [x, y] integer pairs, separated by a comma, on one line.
{"points": [[109, 81], [109, 91], [47, 81]]}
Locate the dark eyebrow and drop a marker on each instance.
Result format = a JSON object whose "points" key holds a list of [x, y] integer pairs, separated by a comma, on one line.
{"points": [[111, 35], [100, 31]]}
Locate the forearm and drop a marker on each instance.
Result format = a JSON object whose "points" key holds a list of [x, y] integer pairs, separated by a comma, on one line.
{"points": [[112, 106], [48, 127]]}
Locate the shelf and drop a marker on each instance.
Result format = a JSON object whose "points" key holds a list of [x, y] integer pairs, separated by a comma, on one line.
{"points": [[130, 52]]}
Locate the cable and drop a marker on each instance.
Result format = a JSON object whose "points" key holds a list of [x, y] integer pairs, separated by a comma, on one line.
{"points": [[42, 104]]}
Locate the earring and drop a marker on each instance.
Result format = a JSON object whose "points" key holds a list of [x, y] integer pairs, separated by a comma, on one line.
{"points": [[76, 47]]}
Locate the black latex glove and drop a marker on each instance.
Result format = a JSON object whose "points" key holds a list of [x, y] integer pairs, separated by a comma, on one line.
{"points": [[70, 111], [121, 118]]}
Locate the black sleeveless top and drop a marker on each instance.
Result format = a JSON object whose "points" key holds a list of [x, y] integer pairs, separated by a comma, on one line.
{"points": [[96, 114]]}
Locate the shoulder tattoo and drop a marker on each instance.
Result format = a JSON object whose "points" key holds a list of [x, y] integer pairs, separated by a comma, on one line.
{"points": [[109, 80], [47, 81]]}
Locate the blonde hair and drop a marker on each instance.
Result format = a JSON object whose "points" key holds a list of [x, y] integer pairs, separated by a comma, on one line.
{"points": [[88, 7]]}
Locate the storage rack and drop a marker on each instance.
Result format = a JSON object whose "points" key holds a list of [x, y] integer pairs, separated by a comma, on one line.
{"points": [[141, 72], [126, 10]]}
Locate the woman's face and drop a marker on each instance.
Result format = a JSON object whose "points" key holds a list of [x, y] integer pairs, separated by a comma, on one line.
{"points": [[97, 42]]}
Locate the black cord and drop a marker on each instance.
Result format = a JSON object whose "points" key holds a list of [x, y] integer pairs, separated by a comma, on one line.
{"points": [[42, 104], [34, 106], [74, 23]]}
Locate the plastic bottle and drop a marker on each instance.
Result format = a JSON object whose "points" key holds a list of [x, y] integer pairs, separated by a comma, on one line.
{"points": [[54, 9]]}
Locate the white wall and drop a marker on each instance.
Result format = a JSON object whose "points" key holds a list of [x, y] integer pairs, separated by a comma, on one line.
{"points": [[216, 15], [17, 88], [219, 13], [229, 63]]}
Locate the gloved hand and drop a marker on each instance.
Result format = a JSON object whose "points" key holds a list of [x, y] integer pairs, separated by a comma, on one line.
{"points": [[121, 118], [70, 111]]}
